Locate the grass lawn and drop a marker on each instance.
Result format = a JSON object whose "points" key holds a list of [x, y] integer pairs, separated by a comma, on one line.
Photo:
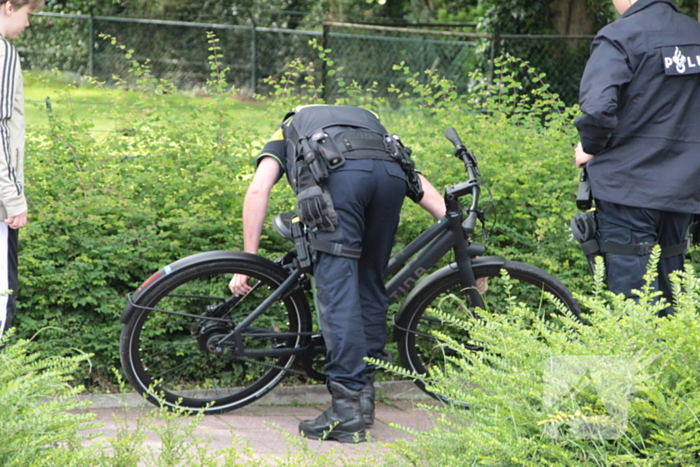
{"points": [[70, 96], [76, 97]]}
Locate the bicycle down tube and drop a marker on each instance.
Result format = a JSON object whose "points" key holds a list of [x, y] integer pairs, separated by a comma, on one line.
{"points": [[437, 240], [450, 232]]}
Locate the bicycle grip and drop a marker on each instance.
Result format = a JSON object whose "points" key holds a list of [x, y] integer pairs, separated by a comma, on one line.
{"points": [[453, 137]]}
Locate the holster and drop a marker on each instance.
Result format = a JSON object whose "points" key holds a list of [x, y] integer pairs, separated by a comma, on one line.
{"points": [[329, 149], [584, 228], [315, 161], [304, 255], [584, 197], [307, 245], [402, 155]]}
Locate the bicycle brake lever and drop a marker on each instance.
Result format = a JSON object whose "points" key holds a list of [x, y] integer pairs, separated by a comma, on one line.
{"points": [[472, 162], [482, 218]]}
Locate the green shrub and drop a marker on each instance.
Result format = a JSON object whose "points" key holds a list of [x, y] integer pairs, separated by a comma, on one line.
{"points": [[621, 390], [36, 425], [110, 209], [41, 419]]}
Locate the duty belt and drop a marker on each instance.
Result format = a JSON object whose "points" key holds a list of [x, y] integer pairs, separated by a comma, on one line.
{"points": [[584, 228], [358, 144]]}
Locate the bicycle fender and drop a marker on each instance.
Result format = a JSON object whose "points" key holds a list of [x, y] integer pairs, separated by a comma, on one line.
{"points": [[186, 263], [486, 261], [440, 275]]}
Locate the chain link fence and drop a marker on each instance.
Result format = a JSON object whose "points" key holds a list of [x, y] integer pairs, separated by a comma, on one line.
{"points": [[178, 51]]}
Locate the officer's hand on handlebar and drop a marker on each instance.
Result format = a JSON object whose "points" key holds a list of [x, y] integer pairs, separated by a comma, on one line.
{"points": [[239, 285]]}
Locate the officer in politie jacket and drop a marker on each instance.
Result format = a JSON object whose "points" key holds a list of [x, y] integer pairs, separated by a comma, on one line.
{"points": [[353, 203], [640, 139]]}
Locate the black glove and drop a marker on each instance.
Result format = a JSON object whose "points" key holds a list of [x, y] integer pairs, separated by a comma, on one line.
{"points": [[315, 209]]}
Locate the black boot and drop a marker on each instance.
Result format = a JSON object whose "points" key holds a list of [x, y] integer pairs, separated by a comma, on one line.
{"points": [[367, 398], [341, 422]]}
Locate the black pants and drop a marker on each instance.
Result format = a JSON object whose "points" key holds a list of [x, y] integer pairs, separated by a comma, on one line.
{"points": [[351, 297], [627, 225], [8, 275]]}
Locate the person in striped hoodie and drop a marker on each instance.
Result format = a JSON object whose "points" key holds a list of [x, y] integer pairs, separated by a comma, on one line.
{"points": [[14, 18]]}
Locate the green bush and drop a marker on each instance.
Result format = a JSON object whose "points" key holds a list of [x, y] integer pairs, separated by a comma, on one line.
{"points": [[111, 208], [41, 419], [620, 390], [37, 426]]}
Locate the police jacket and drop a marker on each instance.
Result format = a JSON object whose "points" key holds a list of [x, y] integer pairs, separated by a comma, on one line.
{"points": [[640, 98]]}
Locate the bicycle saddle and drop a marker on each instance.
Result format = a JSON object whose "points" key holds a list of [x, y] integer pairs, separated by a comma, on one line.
{"points": [[282, 222]]}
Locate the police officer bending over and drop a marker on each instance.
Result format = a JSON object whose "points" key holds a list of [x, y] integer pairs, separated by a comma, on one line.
{"points": [[350, 177], [640, 139]]}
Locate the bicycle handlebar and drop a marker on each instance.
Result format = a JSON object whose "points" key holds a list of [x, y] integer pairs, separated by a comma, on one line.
{"points": [[470, 186]]}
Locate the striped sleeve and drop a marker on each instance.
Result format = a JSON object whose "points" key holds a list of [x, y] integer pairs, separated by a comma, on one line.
{"points": [[11, 189]]}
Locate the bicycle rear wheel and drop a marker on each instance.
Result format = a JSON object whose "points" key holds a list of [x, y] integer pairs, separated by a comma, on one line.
{"points": [[420, 351], [173, 357]]}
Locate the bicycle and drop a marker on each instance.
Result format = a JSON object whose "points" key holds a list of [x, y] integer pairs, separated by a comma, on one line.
{"points": [[189, 343]]}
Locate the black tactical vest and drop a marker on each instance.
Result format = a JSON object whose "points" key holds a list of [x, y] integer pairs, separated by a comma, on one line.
{"points": [[348, 130]]}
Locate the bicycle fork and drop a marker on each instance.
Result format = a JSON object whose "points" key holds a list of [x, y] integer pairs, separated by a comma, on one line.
{"points": [[464, 260]]}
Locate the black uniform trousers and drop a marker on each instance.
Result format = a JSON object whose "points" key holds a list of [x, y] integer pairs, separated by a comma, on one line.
{"points": [[8, 275], [350, 293], [628, 225]]}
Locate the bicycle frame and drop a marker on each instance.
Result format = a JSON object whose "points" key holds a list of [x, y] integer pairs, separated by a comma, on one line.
{"points": [[445, 234], [450, 232]]}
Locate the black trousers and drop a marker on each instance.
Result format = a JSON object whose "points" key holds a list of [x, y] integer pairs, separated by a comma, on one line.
{"points": [[628, 225], [350, 293], [8, 275]]}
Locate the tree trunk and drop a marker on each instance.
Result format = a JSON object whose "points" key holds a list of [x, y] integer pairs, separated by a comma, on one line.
{"points": [[572, 17]]}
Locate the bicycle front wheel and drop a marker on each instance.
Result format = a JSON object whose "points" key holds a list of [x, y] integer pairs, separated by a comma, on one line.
{"points": [[170, 344], [421, 351]]}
